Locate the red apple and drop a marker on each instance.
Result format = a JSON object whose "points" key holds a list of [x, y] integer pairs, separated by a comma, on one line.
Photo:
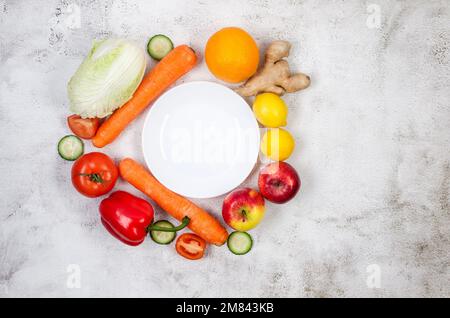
{"points": [[278, 182], [243, 209]]}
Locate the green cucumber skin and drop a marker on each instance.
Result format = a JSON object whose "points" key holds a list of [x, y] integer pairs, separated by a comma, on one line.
{"points": [[155, 239], [161, 243], [160, 37], [231, 247], [61, 154]]}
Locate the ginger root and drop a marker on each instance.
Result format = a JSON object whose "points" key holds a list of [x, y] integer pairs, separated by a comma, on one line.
{"points": [[275, 76]]}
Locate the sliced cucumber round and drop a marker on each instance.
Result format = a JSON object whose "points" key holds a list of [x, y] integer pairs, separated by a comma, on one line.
{"points": [[70, 147], [239, 243], [161, 237], [159, 46]]}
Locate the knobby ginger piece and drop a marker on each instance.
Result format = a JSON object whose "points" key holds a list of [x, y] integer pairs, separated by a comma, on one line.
{"points": [[275, 77]]}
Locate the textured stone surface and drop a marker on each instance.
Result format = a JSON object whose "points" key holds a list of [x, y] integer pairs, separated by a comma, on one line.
{"points": [[372, 138]]}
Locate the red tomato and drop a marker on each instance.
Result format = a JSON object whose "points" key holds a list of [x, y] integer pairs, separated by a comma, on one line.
{"points": [[83, 127], [191, 246], [94, 174]]}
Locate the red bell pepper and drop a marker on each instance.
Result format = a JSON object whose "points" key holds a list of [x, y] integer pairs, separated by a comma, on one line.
{"points": [[126, 217]]}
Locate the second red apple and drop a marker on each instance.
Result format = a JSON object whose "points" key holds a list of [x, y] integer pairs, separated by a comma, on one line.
{"points": [[278, 182]]}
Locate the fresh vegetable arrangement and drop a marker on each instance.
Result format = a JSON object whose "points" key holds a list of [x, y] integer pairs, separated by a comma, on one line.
{"points": [[202, 223], [109, 90], [178, 62]]}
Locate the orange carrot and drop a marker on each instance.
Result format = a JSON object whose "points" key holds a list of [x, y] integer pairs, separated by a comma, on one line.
{"points": [[202, 223], [178, 62]]}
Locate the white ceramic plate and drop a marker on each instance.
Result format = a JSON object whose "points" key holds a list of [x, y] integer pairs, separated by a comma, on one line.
{"points": [[200, 139]]}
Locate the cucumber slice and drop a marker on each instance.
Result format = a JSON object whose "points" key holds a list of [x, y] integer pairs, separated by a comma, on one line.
{"points": [[161, 237], [239, 243], [70, 147], [159, 46]]}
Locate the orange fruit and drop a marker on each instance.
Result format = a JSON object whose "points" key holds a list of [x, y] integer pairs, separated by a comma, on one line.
{"points": [[232, 55]]}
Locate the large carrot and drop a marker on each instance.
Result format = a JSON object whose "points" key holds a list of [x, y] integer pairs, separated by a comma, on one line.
{"points": [[178, 62], [201, 222]]}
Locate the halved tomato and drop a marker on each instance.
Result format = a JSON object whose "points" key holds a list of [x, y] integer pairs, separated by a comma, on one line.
{"points": [[83, 127], [191, 246]]}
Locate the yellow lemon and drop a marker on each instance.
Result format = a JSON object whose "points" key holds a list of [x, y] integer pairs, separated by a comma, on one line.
{"points": [[270, 110], [277, 144]]}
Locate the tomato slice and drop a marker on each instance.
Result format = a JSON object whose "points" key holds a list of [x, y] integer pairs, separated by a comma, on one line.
{"points": [[191, 246], [83, 127]]}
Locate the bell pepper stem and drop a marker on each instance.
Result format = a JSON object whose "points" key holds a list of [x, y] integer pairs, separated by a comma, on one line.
{"points": [[184, 222]]}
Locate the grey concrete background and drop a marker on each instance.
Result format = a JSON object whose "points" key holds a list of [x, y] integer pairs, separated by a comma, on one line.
{"points": [[372, 150]]}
